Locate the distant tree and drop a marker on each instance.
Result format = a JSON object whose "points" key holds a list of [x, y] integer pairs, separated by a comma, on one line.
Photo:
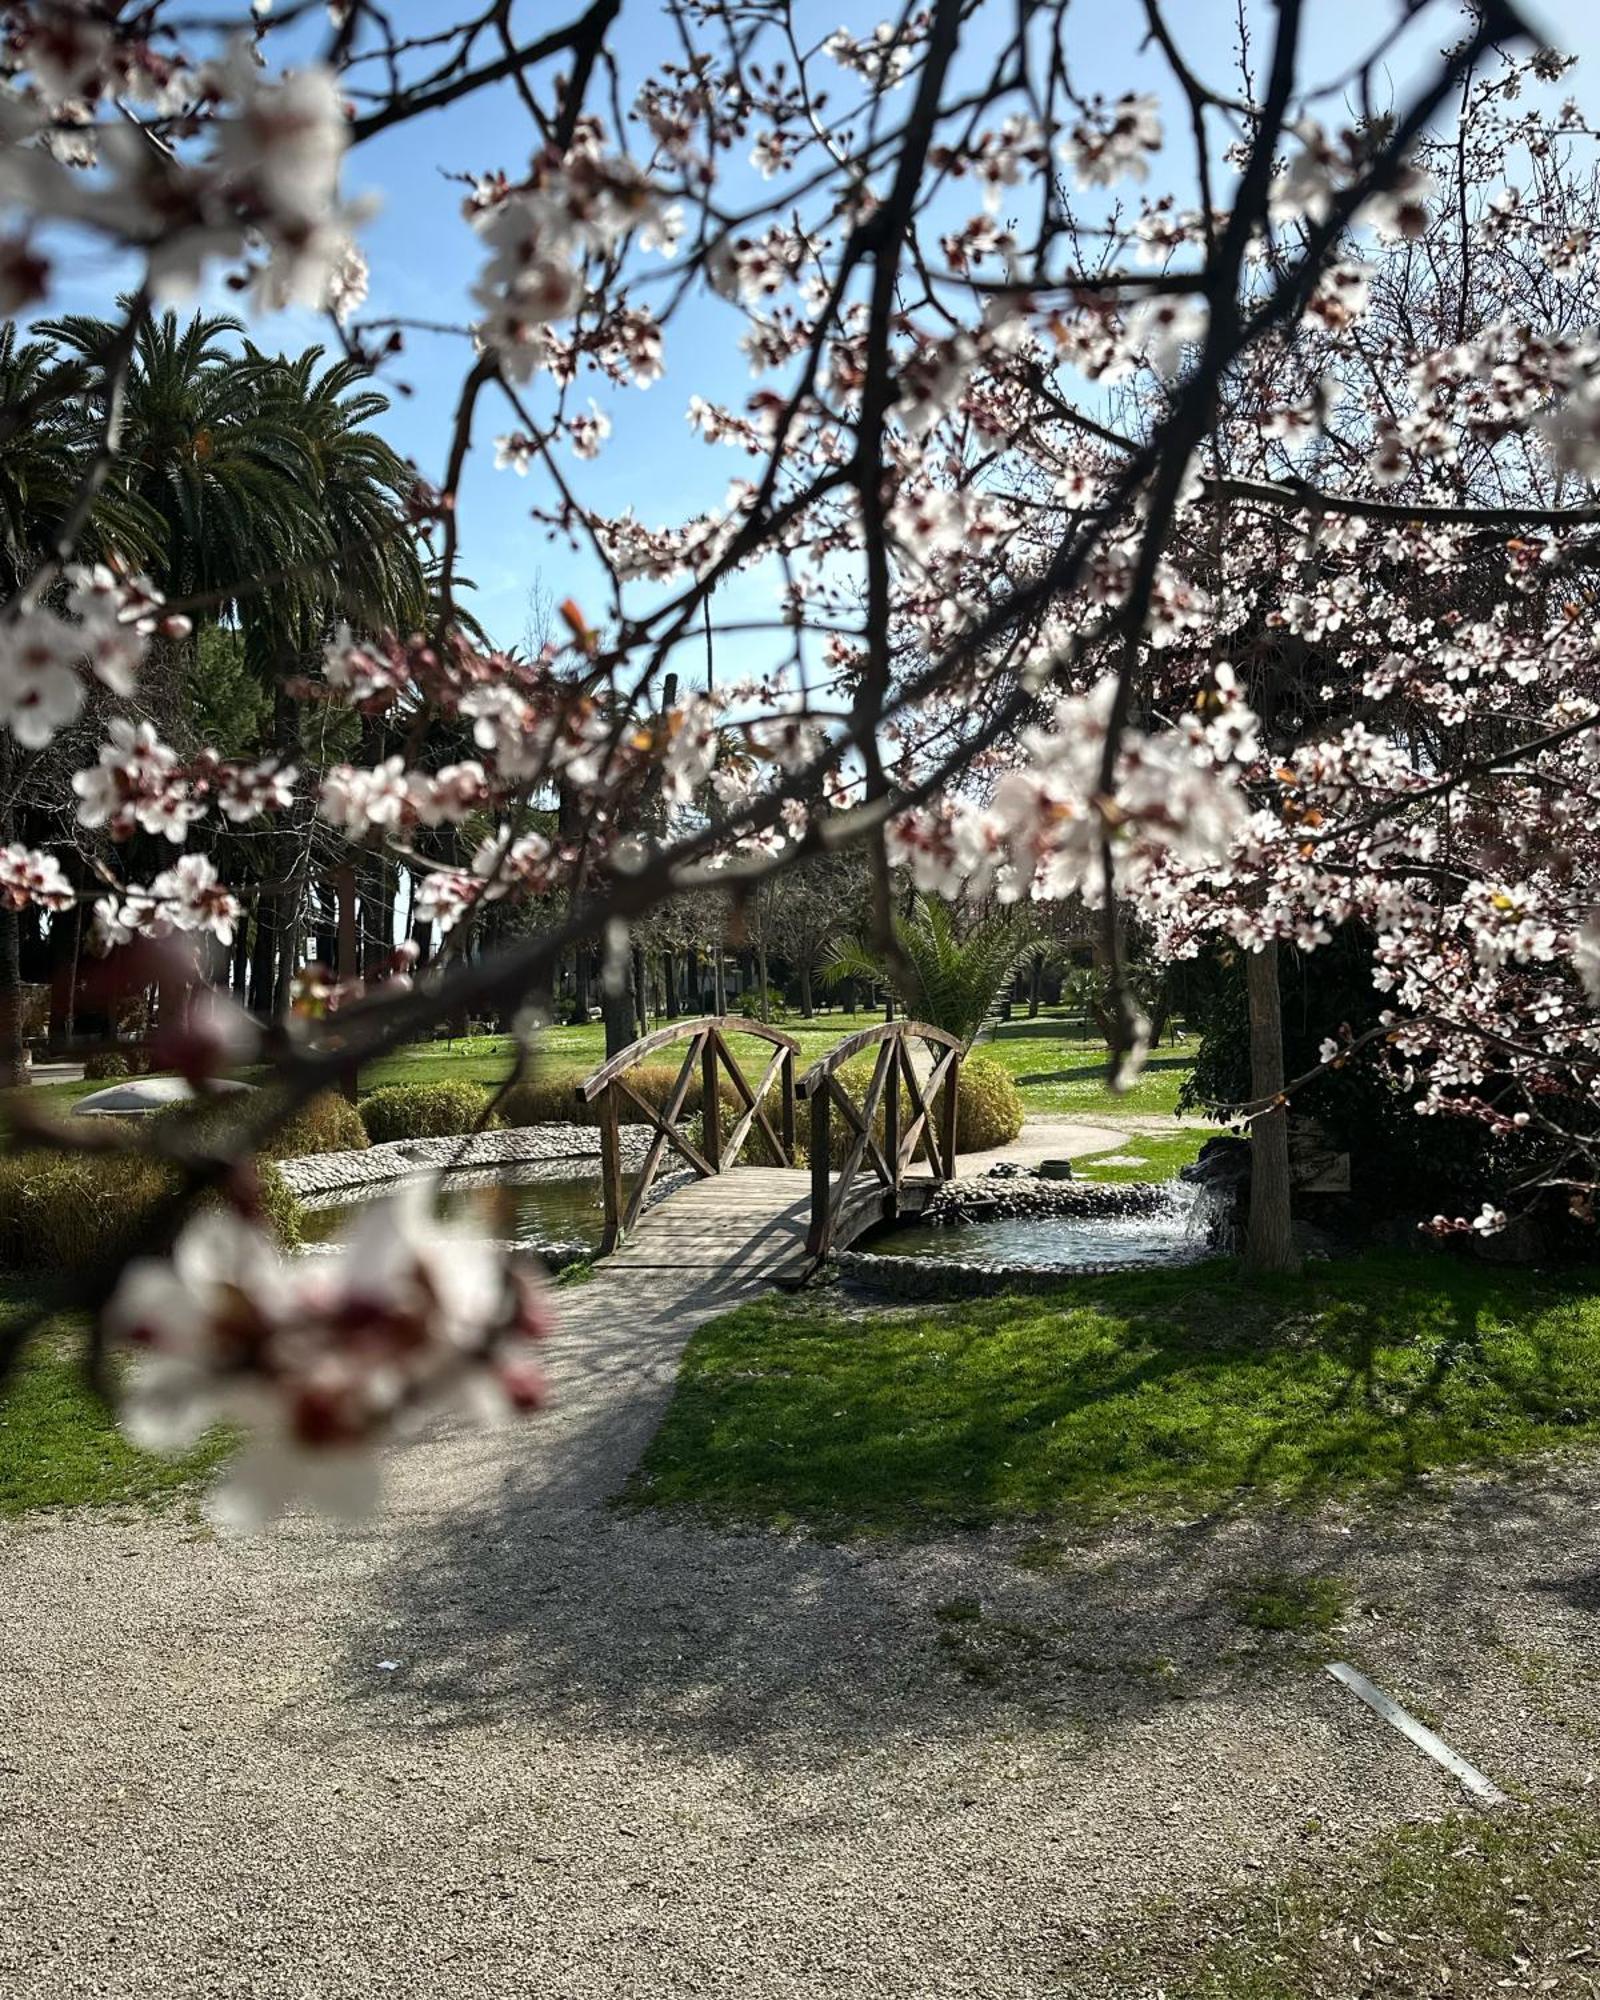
{"points": [[799, 916]]}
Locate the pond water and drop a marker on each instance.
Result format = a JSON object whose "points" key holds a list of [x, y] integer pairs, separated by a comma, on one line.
{"points": [[1175, 1233], [540, 1211]]}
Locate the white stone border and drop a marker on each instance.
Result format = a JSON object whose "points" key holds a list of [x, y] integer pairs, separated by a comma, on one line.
{"points": [[521, 1145]]}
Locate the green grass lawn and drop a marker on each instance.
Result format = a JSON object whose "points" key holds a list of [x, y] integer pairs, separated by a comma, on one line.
{"points": [[1149, 1392], [59, 1445], [1156, 1157], [1058, 1071], [1055, 1068]]}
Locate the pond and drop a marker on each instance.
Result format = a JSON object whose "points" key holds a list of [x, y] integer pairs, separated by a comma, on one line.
{"points": [[535, 1209], [1178, 1231]]}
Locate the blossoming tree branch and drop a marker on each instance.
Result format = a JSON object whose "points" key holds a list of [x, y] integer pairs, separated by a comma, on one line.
{"points": [[1178, 499]]}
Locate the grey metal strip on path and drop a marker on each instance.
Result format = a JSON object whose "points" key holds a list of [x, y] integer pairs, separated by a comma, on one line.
{"points": [[1433, 1746]]}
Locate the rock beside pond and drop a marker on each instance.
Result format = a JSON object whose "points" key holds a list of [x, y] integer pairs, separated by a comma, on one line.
{"points": [[1221, 1162]]}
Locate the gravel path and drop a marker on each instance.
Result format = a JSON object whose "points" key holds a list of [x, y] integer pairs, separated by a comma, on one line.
{"points": [[506, 1741]]}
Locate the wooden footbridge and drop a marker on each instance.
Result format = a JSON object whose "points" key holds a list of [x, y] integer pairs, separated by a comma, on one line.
{"points": [[769, 1201]]}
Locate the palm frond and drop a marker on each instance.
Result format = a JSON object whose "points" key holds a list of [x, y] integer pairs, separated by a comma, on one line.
{"points": [[952, 979]]}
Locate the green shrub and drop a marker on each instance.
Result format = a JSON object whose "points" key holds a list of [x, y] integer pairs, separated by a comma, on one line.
{"points": [[106, 1067], [61, 1211], [279, 1208], [423, 1111], [550, 1097], [989, 1107], [326, 1123], [64, 1210]]}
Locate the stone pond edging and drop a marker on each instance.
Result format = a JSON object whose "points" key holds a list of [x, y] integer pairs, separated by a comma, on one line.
{"points": [[398, 1159]]}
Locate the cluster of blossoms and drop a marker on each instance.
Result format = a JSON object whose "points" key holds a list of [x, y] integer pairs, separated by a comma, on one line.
{"points": [[268, 179], [107, 622], [541, 236], [502, 866], [1052, 830], [189, 899], [318, 1359], [139, 784], [28, 877]]}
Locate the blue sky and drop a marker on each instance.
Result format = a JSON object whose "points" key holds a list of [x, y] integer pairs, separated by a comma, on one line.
{"points": [[424, 259]]}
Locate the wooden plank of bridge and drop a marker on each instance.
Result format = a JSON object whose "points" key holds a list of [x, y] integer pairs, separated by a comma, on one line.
{"points": [[749, 1223]]}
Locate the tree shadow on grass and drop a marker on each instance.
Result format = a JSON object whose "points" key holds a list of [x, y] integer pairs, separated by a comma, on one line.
{"points": [[1401, 1424], [1094, 1072]]}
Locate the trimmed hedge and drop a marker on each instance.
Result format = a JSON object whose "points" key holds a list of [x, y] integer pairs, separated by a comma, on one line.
{"points": [[326, 1123], [989, 1106], [550, 1097], [65, 1210], [423, 1111]]}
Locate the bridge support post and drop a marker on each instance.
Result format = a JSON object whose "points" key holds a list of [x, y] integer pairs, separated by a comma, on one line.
{"points": [[898, 1054], [610, 1169], [817, 1237], [710, 1104]]}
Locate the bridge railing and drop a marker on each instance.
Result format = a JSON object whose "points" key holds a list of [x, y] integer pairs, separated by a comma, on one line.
{"points": [[710, 1151], [931, 1125]]}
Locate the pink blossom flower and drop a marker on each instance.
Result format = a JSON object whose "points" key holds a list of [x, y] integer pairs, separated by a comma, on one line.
{"points": [[320, 1359]]}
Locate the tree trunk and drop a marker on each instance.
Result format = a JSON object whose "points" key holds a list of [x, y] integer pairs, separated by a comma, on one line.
{"points": [[641, 990], [377, 913], [13, 1053], [669, 984], [1035, 981], [264, 953], [13, 1061], [347, 964], [761, 982], [74, 960], [580, 987], [1269, 1237], [288, 950], [616, 1007], [807, 1011]]}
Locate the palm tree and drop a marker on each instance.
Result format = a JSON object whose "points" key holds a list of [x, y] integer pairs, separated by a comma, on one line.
{"points": [[370, 572], [951, 979], [366, 571], [43, 458], [42, 462], [231, 482], [259, 467]]}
